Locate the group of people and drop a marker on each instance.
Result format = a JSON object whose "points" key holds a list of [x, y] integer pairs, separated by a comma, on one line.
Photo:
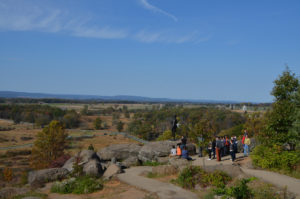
{"points": [[181, 150], [217, 148], [222, 146]]}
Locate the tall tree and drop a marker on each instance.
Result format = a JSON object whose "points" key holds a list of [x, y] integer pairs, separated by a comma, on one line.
{"points": [[282, 116]]}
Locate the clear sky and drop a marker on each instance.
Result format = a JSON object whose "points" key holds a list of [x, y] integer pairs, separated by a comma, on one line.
{"points": [[182, 49]]}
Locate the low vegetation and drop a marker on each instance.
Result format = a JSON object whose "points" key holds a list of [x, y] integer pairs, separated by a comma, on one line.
{"points": [[78, 185], [193, 175]]}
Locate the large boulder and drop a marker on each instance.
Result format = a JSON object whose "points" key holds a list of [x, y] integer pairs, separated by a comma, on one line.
{"points": [[130, 161], [38, 178], [153, 150], [111, 171], [93, 168], [119, 151], [89, 160]]}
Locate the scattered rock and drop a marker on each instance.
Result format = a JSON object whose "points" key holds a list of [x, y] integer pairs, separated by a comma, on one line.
{"points": [[164, 170], [232, 170], [130, 161], [8, 192], [163, 160], [111, 171], [93, 168], [178, 163], [90, 162], [38, 178], [119, 151]]}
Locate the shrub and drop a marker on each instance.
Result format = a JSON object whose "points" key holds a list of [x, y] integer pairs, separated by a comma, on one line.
{"points": [[24, 177], [241, 190], [7, 174], [79, 185], [152, 163], [91, 147], [49, 145], [275, 158], [192, 175]]}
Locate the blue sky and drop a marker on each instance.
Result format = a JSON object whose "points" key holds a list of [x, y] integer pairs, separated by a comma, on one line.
{"points": [[195, 49]]}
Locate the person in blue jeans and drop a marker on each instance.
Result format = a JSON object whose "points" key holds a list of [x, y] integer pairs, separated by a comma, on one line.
{"points": [[185, 154], [247, 143]]}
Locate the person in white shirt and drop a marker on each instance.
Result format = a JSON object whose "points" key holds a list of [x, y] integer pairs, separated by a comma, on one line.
{"points": [[173, 151]]}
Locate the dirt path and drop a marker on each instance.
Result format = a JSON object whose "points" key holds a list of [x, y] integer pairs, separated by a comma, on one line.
{"points": [[292, 184], [163, 190]]}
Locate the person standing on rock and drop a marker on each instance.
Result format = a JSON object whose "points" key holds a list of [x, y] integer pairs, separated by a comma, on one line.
{"points": [[183, 142], [218, 148], [174, 126], [214, 148], [200, 143], [209, 150], [232, 151], [247, 143]]}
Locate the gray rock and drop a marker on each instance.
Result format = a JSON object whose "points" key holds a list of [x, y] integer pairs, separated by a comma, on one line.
{"points": [[111, 171], [178, 163], [8, 192], [93, 168], [233, 171], [119, 151], [163, 160], [153, 150], [130, 161], [38, 178], [85, 157], [164, 170]]}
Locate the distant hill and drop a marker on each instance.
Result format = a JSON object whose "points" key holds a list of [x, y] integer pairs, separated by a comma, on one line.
{"points": [[13, 94]]}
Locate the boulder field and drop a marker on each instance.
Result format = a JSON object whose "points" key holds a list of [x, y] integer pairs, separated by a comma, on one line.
{"points": [[108, 161]]}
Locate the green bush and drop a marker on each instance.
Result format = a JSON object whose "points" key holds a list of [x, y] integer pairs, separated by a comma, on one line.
{"points": [[240, 190], [152, 163], [192, 175], [80, 185], [275, 158]]}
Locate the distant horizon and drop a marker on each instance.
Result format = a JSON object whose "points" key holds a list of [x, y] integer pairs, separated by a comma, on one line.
{"points": [[221, 50], [98, 96]]}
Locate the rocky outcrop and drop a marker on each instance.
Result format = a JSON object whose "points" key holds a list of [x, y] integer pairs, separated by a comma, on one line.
{"points": [[38, 178], [111, 171], [178, 163], [89, 160], [8, 192], [93, 168], [130, 161], [119, 151], [153, 150]]}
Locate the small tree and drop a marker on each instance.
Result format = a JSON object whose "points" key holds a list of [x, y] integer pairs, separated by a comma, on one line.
{"points": [[120, 126], [85, 110], [49, 145], [98, 123]]}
